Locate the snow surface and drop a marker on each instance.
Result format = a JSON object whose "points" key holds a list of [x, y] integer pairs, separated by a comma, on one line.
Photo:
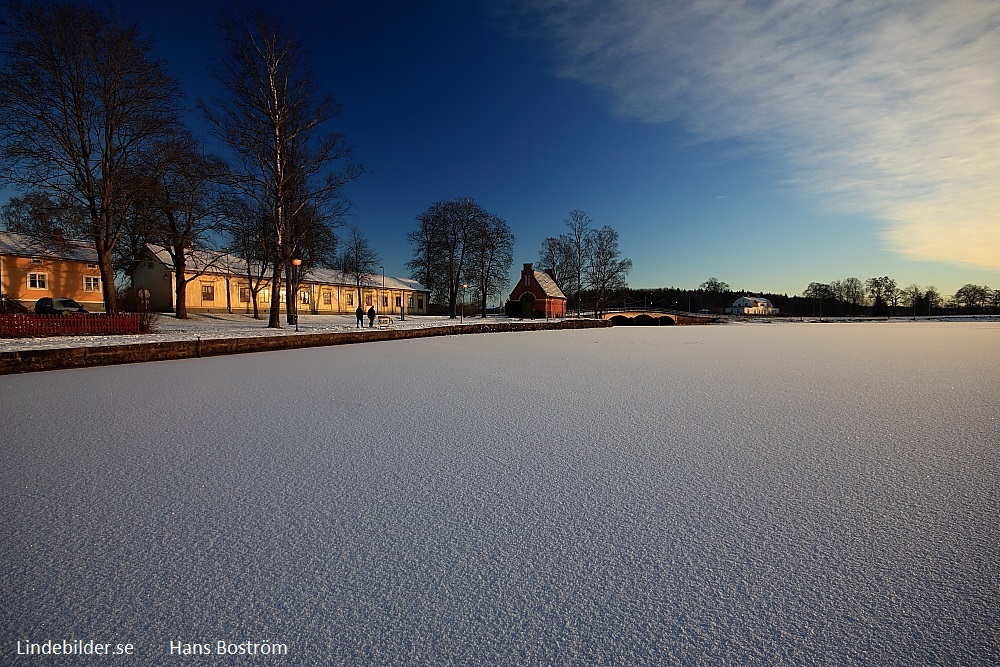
{"points": [[718, 495]]}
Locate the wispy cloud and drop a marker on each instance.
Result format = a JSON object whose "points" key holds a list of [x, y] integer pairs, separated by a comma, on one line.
{"points": [[888, 108]]}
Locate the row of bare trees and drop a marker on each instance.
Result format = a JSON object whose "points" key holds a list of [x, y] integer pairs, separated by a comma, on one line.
{"points": [[459, 245], [586, 259], [91, 134], [882, 296]]}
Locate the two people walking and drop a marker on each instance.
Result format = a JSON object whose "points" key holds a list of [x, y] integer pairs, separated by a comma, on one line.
{"points": [[360, 313]]}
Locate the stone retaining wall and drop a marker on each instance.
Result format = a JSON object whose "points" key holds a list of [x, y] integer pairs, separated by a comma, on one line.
{"points": [[27, 361]]}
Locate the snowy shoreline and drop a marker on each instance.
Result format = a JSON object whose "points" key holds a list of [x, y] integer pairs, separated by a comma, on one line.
{"points": [[221, 326]]}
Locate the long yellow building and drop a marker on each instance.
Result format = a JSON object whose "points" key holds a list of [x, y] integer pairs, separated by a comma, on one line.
{"points": [[219, 282]]}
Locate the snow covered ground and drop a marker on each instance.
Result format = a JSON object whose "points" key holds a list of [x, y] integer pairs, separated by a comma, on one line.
{"points": [[719, 495], [223, 325]]}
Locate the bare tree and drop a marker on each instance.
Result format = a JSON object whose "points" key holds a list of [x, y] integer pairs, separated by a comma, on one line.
{"points": [[422, 265], [83, 105], [973, 297], [912, 294], [579, 242], [556, 255], [567, 256], [853, 293], [446, 232], [714, 285], [883, 292], [358, 259], [273, 119], [933, 298], [181, 211], [605, 270], [491, 254], [818, 292], [248, 230], [36, 213]]}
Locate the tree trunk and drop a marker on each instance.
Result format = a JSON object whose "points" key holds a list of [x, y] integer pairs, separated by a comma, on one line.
{"points": [[290, 296], [107, 279], [180, 284], [180, 297], [274, 314]]}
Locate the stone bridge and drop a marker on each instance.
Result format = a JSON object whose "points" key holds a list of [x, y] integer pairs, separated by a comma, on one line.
{"points": [[651, 317]]}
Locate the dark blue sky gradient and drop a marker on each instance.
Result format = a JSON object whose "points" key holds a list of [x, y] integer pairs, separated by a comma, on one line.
{"points": [[449, 99]]}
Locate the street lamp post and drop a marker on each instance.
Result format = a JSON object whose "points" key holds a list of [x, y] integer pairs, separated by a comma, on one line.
{"points": [[381, 295], [295, 295]]}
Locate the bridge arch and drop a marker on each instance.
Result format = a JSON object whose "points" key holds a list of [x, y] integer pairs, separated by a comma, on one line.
{"points": [[658, 318], [641, 320]]}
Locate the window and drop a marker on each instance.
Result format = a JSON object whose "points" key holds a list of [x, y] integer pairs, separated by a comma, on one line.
{"points": [[350, 299], [327, 297], [399, 301], [527, 280], [244, 295], [304, 297], [94, 266], [35, 260], [38, 281], [420, 303], [409, 302], [385, 301], [265, 295], [368, 300], [91, 283], [207, 292]]}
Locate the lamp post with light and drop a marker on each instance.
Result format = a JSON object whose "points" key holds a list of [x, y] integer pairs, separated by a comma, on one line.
{"points": [[296, 262], [381, 296]]}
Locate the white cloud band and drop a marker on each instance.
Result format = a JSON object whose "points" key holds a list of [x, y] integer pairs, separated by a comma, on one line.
{"points": [[888, 108]]}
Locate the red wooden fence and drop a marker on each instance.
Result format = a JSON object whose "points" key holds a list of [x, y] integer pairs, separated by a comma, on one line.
{"points": [[17, 325]]}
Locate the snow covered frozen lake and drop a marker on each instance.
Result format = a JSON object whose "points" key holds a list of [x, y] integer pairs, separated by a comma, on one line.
{"points": [[794, 494]]}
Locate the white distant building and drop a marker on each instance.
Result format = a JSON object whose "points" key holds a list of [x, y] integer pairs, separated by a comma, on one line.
{"points": [[752, 305]]}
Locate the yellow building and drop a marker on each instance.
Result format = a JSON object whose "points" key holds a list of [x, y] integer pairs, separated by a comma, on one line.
{"points": [[219, 282], [34, 267]]}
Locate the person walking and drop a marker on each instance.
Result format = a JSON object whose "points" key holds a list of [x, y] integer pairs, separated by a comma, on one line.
{"points": [[371, 317], [361, 316]]}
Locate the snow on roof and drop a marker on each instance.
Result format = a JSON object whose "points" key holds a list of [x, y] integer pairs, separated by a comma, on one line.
{"points": [[335, 277], [222, 263], [204, 261], [24, 245], [756, 300], [548, 285]]}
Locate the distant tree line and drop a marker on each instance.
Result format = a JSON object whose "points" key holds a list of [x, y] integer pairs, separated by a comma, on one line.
{"points": [[849, 297]]}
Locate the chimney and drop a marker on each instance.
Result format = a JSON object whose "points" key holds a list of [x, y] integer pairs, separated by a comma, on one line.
{"points": [[58, 234], [527, 268], [551, 273]]}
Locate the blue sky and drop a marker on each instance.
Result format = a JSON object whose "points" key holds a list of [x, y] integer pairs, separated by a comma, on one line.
{"points": [[768, 144]]}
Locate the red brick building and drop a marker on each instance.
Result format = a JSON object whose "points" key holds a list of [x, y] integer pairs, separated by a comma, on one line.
{"points": [[538, 294]]}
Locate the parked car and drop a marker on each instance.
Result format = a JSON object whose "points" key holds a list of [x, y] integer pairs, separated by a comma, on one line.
{"points": [[58, 306]]}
